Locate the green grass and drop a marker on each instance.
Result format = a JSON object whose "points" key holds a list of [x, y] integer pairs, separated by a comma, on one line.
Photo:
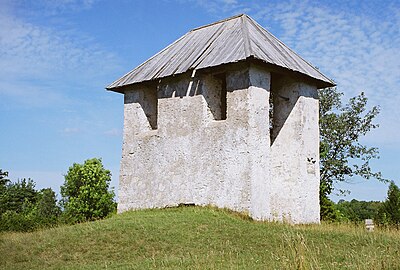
{"points": [[198, 238]]}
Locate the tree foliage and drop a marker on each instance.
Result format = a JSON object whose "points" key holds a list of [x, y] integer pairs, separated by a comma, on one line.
{"points": [[390, 211], [46, 207], [85, 193], [3, 180], [18, 196], [86, 196], [342, 155], [358, 211], [328, 210], [23, 208]]}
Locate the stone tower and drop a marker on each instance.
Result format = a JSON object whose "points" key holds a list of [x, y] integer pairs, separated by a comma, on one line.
{"points": [[227, 115]]}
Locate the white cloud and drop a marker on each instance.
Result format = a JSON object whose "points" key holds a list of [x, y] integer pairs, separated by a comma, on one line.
{"points": [[37, 61], [29, 50], [54, 7], [223, 6]]}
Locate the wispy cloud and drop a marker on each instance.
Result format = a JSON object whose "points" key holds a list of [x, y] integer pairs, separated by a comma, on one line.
{"points": [[71, 130], [113, 132], [359, 52], [67, 4], [46, 57], [19, 94], [54, 7], [32, 51], [224, 6]]}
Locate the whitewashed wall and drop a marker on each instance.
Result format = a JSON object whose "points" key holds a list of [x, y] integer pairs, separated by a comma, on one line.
{"points": [[175, 152]]}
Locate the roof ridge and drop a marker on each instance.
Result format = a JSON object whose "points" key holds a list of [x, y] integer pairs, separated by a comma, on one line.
{"points": [[246, 36], [218, 22]]}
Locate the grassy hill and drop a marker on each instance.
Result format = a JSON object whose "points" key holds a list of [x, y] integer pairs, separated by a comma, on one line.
{"points": [[198, 238]]}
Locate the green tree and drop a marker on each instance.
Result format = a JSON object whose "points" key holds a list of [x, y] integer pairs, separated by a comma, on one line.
{"points": [[390, 212], [327, 209], [85, 193], [342, 155], [3, 185], [358, 211], [46, 209], [18, 196], [3, 178], [23, 208]]}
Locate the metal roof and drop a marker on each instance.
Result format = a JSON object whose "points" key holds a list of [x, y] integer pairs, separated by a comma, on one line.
{"points": [[231, 40]]}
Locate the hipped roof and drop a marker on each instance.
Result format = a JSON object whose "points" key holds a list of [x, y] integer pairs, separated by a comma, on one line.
{"points": [[228, 41]]}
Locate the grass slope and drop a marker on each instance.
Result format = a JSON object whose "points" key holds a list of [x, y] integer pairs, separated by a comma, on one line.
{"points": [[198, 238]]}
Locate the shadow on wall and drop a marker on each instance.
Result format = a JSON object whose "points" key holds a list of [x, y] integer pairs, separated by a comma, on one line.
{"points": [[213, 87], [283, 98]]}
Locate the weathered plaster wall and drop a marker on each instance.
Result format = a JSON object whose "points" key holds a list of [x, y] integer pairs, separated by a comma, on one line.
{"points": [[192, 158], [295, 151]]}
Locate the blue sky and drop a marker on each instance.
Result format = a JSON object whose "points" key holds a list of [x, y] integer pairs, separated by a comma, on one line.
{"points": [[56, 57]]}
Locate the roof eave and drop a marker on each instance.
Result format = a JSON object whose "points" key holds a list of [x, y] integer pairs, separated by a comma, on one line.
{"points": [[314, 81]]}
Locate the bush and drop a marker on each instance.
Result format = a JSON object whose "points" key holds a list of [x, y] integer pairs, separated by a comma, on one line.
{"points": [[13, 221], [85, 193]]}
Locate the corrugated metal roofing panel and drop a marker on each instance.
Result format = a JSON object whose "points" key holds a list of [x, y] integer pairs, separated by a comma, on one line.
{"points": [[228, 41]]}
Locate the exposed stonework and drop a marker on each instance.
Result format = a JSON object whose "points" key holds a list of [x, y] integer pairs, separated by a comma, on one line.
{"points": [[179, 148]]}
